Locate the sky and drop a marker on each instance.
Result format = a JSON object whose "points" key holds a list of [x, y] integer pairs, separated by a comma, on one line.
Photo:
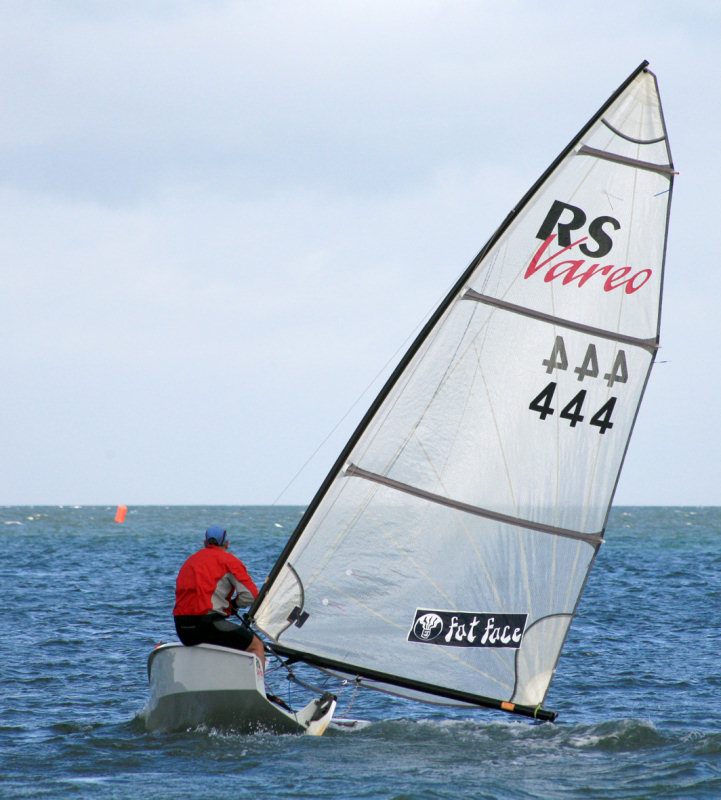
{"points": [[221, 223]]}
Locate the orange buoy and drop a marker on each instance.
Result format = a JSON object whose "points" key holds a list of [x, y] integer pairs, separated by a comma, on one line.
{"points": [[120, 513]]}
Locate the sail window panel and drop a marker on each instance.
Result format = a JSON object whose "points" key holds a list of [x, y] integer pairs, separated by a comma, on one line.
{"points": [[471, 421], [633, 127], [432, 557], [285, 595], [536, 662], [634, 119], [607, 273]]}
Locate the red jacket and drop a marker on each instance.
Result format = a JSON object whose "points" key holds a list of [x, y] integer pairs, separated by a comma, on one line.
{"points": [[207, 580]]}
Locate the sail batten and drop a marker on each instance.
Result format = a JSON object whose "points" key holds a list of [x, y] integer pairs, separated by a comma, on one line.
{"points": [[593, 539], [663, 169], [632, 138], [648, 344], [448, 547]]}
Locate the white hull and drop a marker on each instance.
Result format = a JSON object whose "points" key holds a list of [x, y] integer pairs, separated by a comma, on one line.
{"points": [[221, 688]]}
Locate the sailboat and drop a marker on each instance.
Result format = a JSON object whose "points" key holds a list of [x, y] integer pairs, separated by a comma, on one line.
{"points": [[444, 555]]}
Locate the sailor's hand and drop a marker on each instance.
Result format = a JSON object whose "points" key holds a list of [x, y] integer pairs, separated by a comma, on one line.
{"points": [[242, 598]]}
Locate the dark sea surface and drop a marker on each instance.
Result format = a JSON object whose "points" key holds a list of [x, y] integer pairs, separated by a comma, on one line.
{"points": [[84, 600]]}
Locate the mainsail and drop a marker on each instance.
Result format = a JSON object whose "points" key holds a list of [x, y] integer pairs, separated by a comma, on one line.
{"points": [[447, 549]]}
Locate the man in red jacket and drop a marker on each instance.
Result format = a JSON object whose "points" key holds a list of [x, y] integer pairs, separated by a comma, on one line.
{"points": [[203, 590]]}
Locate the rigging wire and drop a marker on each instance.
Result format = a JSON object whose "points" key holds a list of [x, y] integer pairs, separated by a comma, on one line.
{"points": [[393, 358]]}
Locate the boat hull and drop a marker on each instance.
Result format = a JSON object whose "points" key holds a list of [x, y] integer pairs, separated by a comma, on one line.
{"points": [[221, 688]]}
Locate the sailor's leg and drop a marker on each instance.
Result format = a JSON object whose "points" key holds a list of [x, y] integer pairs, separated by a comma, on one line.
{"points": [[256, 647]]}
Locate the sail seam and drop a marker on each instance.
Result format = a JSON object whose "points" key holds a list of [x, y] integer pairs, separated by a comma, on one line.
{"points": [[631, 138], [663, 169], [648, 344], [359, 472]]}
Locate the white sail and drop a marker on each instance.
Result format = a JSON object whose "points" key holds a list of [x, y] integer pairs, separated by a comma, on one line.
{"points": [[449, 546]]}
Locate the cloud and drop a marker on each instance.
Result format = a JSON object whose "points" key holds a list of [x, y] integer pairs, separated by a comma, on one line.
{"points": [[221, 220]]}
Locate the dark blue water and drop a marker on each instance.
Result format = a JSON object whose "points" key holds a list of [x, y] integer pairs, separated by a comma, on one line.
{"points": [[84, 600]]}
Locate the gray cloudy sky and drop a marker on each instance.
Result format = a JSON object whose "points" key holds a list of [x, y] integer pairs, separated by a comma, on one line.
{"points": [[221, 220]]}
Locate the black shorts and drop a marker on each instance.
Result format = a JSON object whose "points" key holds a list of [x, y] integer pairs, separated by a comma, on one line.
{"points": [[213, 628]]}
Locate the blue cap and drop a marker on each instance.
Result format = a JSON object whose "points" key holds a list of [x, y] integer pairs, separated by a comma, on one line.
{"points": [[217, 533]]}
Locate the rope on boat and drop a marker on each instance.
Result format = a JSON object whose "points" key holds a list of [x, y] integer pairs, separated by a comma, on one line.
{"points": [[352, 699], [291, 676]]}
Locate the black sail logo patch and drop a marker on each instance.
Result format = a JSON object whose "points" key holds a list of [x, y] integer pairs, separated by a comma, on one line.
{"points": [[467, 628]]}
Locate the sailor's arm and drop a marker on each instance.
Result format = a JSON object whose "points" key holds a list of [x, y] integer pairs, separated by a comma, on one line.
{"points": [[243, 584], [244, 597]]}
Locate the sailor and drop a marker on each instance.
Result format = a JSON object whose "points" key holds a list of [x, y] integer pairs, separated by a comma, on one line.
{"points": [[203, 590]]}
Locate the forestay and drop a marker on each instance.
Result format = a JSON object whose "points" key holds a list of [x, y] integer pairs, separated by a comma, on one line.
{"points": [[448, 548]]}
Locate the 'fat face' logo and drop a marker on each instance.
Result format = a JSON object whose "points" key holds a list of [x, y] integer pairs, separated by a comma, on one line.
{"points": [[467, 628]]}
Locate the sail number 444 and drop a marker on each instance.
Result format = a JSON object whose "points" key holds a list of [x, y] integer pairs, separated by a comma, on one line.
{"points": [[543, 403]]}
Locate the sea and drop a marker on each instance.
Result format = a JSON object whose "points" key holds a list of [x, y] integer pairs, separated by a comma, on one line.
{"points": [[85, 599]]}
